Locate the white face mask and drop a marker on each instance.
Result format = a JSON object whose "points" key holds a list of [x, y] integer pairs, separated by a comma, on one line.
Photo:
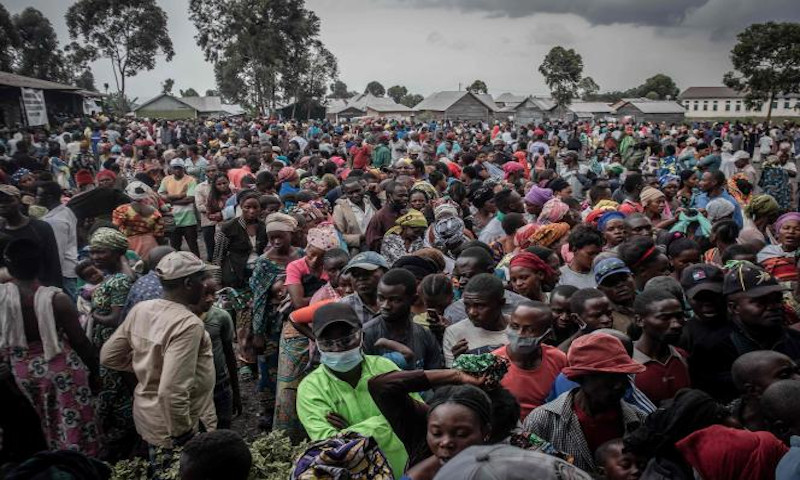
{"points": [[342, 361]]}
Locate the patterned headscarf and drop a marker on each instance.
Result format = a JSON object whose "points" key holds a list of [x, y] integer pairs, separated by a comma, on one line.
{"points": [[105, 237], [736, 193], [448, 231], [280, 222], [668, 178], [323, 237], [606, 205], [650, 195], [522, 237], [21, 172], [553, 211], [607, 217], [266, 319], [548, 235], [425, 188], [538, 195], [414, 219]]}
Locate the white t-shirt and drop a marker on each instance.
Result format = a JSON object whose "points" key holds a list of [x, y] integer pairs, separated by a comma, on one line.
{"points": [[479, 340], [765, 144], [579, 280]]}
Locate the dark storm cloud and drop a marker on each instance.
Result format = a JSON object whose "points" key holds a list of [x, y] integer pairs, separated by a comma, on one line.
{"points": [[718, 16], [596, 12]]}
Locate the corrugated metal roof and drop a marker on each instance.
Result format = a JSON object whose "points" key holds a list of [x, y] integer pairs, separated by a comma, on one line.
{"points": [[510, 98], [658, 107], [545, 104], [14, 80], [590, 107], [203, 105], [710, 92], [366, 100], [441, 101]]}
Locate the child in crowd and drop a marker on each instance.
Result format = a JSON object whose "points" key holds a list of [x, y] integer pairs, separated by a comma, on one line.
{"points": [[613, 463], [92, 277]]}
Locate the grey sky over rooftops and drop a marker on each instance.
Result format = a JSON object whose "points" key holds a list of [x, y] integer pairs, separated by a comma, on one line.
{"points": [[431, 45]]}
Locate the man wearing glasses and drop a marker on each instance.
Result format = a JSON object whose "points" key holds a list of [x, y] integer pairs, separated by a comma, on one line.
{"points": [[334, 398]]}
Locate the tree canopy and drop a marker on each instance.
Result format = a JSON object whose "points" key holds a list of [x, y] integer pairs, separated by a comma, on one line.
{"points": [[478, 86], [166, 86], [562, 70], [411, 99], [588, 87], [264, 51], [9, 40], [397, 92], [375, 88], [130, 33], [766, 62], [38, 53], [339, 90], [189, 92]]}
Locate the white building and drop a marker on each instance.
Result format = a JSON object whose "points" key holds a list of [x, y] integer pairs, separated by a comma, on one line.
{"points": [[724, 102]]}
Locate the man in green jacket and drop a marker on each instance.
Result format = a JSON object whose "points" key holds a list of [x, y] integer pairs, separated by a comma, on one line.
{"points": [[382, 155], [335, 397]]}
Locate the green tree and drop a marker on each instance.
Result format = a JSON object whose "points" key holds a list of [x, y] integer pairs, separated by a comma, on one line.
{"points": [[663, 86], [339, 90], [766, 62], [76, 63], [397, 92], [167, 85], [86, 81], [38, 52], [411, 100], [9, 40], [478, 86], [562, 70], [260, 49], [375, 88], [130, 33], [189, 92], [212, 93], [588, 88]]}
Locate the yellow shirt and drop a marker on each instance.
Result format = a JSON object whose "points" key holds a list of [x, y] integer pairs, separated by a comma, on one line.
{"points": [[166, 346]]}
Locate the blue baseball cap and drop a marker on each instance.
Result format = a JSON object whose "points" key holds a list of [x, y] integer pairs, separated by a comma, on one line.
{"points": [[607, 267], [367, 261]]}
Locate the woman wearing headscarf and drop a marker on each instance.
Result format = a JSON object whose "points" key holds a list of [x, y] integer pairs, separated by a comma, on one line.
{"points": [[780, 259], [553, 211], [759, 217], [550, 235], [115, 401], [612, 226], [482, 199], [140, 220], [527, 273], [405, 237], [669, 185], [741, 189], [535, 200], [288, 179], [686, 188], [420, 197], [280, 229], [655, 208]]}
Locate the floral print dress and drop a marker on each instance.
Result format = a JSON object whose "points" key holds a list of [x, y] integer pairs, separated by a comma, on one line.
{"points": [[115, 401]]}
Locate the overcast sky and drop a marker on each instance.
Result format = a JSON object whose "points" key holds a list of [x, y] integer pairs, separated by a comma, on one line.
{"points": [[431, 45]]}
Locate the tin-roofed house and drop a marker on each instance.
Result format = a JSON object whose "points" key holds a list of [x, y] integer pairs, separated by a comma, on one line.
{"points": [[171, 107], [461, 105], [20, 95], [652, 111], [530, 110], [366, 105], [589, 111]]}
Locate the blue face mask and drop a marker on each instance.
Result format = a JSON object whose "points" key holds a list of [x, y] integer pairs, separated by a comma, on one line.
{"points": [[342, 361], [524, 345]]}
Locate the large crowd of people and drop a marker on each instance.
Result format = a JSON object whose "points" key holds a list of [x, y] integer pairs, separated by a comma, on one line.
{"points": [[447, 299]]}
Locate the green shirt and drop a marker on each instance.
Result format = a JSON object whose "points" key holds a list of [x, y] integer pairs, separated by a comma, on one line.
{"points": [[381, 156], [183, 214], [321, 393]]}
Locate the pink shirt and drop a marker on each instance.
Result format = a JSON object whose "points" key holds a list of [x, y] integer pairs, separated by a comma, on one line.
{"points": [[295, 271]]}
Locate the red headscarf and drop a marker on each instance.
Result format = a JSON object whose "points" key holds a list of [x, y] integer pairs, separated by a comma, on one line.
{"points": [[106, 174], [531, 261], [724, 453]]}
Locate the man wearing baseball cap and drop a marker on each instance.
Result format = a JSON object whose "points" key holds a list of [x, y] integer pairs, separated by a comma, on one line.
{"points": [[334, 398], [702, 285], [166, 346], [490, 462], [582, 419], [366, 269], [615, 279], [178, 190]]}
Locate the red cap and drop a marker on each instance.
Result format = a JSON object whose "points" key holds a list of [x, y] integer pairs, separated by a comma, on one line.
{"points": [[83, 177], [599, 353]]}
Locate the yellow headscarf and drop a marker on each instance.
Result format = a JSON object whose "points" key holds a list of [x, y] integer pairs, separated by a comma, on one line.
{"points": [[414, 218]]}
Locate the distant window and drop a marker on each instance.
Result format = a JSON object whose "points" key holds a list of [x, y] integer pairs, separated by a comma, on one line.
{"points": [[705, 106], [727, 106], [786, 105], [738, 106], [774, 104], [695, 106], [715, 106]]}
